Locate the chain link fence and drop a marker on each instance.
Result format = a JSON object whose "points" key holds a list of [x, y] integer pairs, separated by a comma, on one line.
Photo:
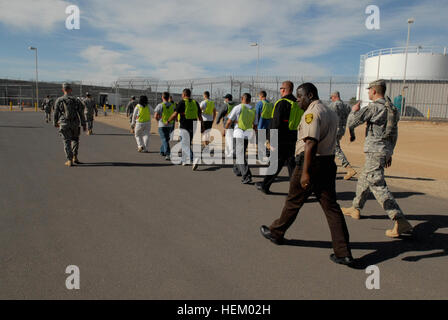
{"points": [[422, 99]]}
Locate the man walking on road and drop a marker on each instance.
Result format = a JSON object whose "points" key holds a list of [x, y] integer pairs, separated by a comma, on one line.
{"points": [[141, 124], [243, 116], [208, 115], [189, 112], [162, 113], [286, 118], [130, 110], [90, 111], [68, 115], [342, 111], [381, 117], [229, 141], [315, 172], [48, 106]]}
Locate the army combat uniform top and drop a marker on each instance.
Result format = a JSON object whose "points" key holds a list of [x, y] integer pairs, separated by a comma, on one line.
{"points": [[69, 113], [342, 111], [378, 150], [90, 110]]}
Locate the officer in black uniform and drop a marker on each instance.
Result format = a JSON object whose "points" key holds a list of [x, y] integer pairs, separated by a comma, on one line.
{"points": [[286, 138]]}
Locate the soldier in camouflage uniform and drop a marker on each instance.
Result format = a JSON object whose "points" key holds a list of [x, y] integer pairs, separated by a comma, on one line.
{"points": [[378, 150], [342, 110], [48, 106], [68, 115], [130, 110], [90, 110]]}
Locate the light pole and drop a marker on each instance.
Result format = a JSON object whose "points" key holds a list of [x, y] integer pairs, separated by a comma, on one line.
{"points": [[37, 77], [410, 21], [255, 44]]}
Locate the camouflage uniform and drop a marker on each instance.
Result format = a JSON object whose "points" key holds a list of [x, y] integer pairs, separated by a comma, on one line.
{"points": [[90, 110], [130, 109], [378, 151], [68, 111], [342, 111], [48, 106]]}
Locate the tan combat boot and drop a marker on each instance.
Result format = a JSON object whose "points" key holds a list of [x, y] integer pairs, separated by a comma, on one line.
{"points": [[140, 149], [90, 131], [350, 172], [352, 212], [401, 226], [69, 163], [75, 160]]}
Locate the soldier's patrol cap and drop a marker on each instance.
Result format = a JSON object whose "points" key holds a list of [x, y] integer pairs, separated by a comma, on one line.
{"points": [[133, 97], [66, 85], [335, 93], [380, 83], [228, 96]]}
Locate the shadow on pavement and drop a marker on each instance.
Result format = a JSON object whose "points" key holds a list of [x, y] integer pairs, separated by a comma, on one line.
{"points": [[113, 134], [349, 195], [410, 178], [424, 238], [21, 127], [123, 164]]}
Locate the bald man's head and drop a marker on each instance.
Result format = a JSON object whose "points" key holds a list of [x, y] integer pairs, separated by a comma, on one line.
{"points": [[287, 88]]}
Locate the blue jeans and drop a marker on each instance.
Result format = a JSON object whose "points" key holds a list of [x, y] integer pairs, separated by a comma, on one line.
{"points": [[165, 133], [263, 123]]}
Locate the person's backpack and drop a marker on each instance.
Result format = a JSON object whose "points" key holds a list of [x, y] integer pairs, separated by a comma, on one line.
{"points": [[393, 116], [71, 109]]}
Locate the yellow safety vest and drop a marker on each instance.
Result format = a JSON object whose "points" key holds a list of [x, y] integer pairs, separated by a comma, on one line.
{"points": [[167, 112], [266, 112], [246, 118], [191, 109], [294, 115], [144, 115], [210, 107]]}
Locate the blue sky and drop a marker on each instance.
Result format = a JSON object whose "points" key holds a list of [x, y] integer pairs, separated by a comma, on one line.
{"points": [[189, 39]]}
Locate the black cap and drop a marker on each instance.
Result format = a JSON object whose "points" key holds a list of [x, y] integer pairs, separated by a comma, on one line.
{"points": [[228, 96]]}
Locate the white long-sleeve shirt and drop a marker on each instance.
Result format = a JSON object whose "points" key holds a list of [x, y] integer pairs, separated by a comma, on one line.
{"points": [[136, 114]]}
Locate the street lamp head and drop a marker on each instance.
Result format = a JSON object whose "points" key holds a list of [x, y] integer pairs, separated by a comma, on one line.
{"points": [[411, 20], [32, 48], [254, 44]]}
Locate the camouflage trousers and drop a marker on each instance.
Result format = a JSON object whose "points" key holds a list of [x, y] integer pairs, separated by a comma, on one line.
{"points": [[89, 120], [372, 178], [340, 154], [70, 136], [47, 116]]}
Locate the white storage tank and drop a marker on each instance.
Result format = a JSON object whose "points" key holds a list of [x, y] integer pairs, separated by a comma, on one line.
{"points": [[423, 64]]}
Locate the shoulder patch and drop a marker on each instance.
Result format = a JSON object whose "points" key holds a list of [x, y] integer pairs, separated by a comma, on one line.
{"points": [[308, 118]]}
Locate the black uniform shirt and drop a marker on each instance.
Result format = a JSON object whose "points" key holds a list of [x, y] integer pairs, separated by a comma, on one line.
{"points": [[280, 121]]}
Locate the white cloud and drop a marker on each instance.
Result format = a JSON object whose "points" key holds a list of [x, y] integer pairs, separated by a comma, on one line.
{"points": [[215, 35], [105, 65], [187, 39], [33, 15]]}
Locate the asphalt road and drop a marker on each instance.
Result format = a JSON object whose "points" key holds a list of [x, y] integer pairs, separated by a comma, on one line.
{"points": [[139, 227]]}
